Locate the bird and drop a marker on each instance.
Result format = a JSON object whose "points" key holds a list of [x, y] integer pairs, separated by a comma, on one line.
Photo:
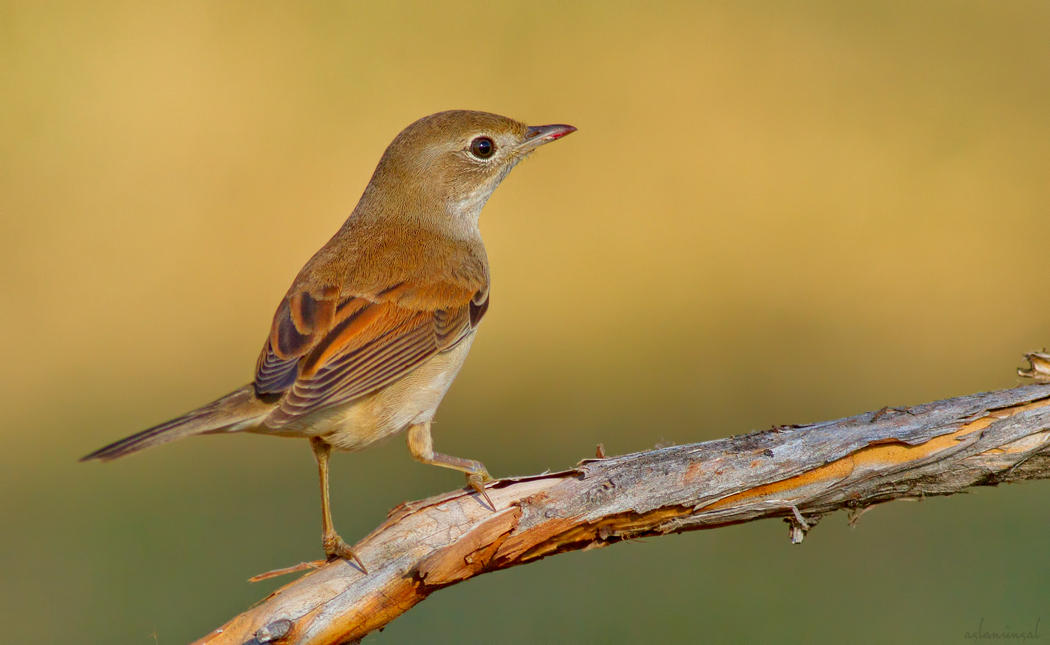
{"points": [[376, 325]]}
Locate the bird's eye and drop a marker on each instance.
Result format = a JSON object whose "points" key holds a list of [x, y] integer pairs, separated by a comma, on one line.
{"points": [[482, 147]]}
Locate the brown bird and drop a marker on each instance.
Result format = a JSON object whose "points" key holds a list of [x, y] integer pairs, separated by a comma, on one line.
{"points": [[377, 324]]}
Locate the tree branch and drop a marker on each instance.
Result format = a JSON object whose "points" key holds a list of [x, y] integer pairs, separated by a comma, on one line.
{"points": [[798, 473]]}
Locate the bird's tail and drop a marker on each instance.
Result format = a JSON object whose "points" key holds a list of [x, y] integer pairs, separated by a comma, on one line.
{"points": [[234, 409]]}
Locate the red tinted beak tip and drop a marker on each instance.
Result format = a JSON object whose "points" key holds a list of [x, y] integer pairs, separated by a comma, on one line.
{"points": [[540, 134]]}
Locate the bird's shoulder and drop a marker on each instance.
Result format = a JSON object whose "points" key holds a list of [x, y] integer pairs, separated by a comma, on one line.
{"points": [[418, 268]]}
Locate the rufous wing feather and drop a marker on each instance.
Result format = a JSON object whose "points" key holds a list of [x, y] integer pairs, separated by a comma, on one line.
{"points": [[327, 350]]}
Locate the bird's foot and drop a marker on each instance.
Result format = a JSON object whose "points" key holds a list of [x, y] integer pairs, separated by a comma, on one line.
{"points": [[335, 548], [477, 481], [302, 566]]}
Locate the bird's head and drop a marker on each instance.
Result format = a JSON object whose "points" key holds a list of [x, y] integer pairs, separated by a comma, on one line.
{"points": [[446, 165]]}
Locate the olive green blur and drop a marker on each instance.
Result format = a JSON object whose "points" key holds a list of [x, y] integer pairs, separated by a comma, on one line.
{"points": [[772, 213]]}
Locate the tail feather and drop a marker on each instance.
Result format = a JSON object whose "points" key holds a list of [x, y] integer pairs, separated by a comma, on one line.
{"points": [[234, 408]]}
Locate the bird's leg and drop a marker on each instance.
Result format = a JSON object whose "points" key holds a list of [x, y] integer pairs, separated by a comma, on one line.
{"points": [[421, 445], [334, 547]]}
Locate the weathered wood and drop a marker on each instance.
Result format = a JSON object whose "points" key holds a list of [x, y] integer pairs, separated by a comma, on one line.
{"points": [[795, 472]]}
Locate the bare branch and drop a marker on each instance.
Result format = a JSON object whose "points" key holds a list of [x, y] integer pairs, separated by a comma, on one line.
{"points": [[798, 473]]}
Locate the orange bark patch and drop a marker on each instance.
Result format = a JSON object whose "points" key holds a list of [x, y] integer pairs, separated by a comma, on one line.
{"points": [[882, 454], [469, 554], [836, 471], [519, 543]]}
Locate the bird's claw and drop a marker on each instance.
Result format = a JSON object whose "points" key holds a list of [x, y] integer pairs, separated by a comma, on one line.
{"points": [[335, 548], [477, 481]]}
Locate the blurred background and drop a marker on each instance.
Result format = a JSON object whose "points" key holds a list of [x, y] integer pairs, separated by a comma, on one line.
{"points": [[772, 213]]}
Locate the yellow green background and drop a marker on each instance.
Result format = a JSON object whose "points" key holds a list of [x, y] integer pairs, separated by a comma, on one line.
{"points": [[772, 213]]}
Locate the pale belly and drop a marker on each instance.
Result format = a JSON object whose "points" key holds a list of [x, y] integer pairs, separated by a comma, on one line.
{"points": [[412, 400]]}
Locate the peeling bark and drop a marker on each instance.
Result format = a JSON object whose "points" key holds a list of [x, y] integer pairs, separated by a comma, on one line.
{"points": [[799, 473]]}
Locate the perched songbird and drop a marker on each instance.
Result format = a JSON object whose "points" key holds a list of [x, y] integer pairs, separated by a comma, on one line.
{"points": [[377, 324]]}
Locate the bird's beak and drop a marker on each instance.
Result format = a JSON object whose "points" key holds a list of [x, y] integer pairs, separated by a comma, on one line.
{"points": [[541, 134]]}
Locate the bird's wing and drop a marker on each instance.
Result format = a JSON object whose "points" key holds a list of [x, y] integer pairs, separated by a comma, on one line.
{"points": [[328, 349]]}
